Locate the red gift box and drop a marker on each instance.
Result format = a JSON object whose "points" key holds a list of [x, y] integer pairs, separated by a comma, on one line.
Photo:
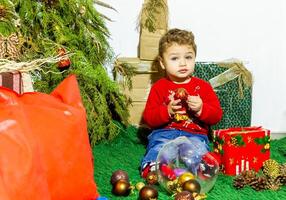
{"points": [[242, 148], [12, 80]]}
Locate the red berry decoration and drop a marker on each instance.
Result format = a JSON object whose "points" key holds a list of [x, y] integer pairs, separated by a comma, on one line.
{"points": [[121, 188], [148, 192], [119, 175]]}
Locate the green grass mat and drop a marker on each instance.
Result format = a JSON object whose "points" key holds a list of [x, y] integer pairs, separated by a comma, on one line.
{"points": [[126, 151]]}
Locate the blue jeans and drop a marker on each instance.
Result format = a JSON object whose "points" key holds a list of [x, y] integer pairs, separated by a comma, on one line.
{"points": [[159, 137]]}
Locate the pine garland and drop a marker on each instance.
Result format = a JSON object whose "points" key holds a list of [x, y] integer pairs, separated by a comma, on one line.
{"points": [[76, 26]]}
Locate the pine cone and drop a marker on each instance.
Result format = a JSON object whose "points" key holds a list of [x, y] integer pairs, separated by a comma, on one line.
{"points": [[259, 183], [248, 176], [238, 182], [283, 169], [273, 184], [282, 179], [271, 168]]}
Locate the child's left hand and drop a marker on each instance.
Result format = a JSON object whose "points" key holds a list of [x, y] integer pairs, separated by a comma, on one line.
{"points": [[195, 103]]}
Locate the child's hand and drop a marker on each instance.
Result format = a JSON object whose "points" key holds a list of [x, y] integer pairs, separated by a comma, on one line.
{"points": [[195, 103], [175, 107]]}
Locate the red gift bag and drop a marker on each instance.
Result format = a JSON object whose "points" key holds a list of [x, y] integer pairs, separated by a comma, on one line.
{"points": [[242, 148], [44, 146]]}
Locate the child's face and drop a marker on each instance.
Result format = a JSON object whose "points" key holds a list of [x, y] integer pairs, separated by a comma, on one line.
{"points": [[179, 62]]}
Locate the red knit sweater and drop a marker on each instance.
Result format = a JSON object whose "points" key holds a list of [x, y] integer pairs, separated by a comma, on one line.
{"points": [[156, 112]]}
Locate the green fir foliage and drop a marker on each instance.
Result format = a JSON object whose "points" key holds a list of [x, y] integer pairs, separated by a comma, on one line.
{"points": [[7, 18], [46, 26]]}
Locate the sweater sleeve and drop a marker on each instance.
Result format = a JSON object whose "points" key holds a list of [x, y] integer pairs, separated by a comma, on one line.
{"points": [[211, 111], [156, 111]]}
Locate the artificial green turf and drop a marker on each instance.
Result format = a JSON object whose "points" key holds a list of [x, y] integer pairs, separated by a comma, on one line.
{"points": [[126, 151]]}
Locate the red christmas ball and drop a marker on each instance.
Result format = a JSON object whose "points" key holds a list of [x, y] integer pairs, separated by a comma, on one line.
{"points": [[65, 62], [181, 93]]}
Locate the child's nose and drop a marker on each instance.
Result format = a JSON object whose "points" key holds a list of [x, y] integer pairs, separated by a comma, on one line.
{"points": [[182, 62]]}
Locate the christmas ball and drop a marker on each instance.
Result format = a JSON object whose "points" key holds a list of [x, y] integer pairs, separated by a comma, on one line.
{"points": [[181, 93], [121, 188], [148, 192], [185, 177], [192, 159], [192, 186], [119, 175], [65, 62], [185, 195], [152, 178]]}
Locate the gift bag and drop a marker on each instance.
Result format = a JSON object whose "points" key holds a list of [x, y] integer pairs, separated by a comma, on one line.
{"points": [[232, 83], [242, 148], [44, 146]]}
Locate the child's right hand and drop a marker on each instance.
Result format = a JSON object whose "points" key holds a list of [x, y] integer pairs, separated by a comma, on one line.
{"points": [[175, 107]]}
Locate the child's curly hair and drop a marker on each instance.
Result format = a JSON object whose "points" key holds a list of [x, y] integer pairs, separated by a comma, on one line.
{"points": [[181, 37]]}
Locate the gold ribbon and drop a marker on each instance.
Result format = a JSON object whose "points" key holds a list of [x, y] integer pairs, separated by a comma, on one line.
{"points": [[236, 70]]}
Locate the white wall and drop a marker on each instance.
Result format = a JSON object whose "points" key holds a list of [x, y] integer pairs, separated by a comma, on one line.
{"points": [[253, 31]]}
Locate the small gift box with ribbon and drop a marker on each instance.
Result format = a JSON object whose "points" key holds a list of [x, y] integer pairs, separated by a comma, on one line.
{"points": [[12, 80], [242, 148]]}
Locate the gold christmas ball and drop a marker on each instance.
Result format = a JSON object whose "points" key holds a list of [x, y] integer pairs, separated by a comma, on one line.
{"points": [[185, 177], [139, 185], [192, 186], [121, 188], [152, 178]]}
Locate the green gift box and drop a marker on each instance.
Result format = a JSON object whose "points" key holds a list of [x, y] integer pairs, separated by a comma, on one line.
{"points": [[232, 83]]}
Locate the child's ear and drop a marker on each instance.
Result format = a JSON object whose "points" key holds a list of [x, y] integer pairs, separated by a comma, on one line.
{"points": [[161, 62]]}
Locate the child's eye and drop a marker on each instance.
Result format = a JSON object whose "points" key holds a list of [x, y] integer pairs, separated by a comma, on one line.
{"points": [[174, 58], [189, 57]]}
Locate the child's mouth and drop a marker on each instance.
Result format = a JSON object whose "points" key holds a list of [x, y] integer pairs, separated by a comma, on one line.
{"points": [[182, 71]]}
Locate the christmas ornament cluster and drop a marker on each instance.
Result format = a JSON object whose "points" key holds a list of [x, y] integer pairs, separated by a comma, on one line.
{"points": [[185, 170], [121, 185]]}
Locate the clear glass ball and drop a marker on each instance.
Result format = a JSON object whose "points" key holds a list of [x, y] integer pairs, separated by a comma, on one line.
{"points": [[182, 159]]}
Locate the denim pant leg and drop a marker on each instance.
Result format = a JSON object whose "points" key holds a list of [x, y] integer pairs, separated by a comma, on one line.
{"points": [[203, 138], [160, 137], [156, 140]]}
